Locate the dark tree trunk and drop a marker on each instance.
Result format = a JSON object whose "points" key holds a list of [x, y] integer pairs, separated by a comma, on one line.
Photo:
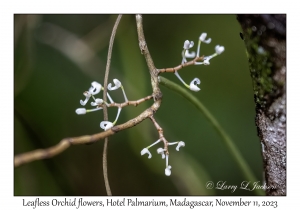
{"points": [[265, 39]]}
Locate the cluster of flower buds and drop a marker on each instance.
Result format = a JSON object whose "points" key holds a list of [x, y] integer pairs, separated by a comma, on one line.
{"points": [[164, 153], [186, 54], [98, 102]]}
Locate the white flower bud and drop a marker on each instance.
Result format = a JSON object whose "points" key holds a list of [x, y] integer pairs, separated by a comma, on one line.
{"points": [[80, 111], [219, 49], [168, 171]]}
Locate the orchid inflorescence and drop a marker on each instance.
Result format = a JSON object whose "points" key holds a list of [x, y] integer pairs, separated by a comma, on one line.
{"points": [[186, 54], [98, 102], [163, 152]]}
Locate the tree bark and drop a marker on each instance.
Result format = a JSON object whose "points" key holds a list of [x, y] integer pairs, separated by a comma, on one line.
{"points": [[265, 40]]}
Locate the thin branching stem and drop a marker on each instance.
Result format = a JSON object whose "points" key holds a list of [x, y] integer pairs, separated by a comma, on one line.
{"points": [[160, 133], [127, 103], [189, 63], [111, 43], [65, 143]]}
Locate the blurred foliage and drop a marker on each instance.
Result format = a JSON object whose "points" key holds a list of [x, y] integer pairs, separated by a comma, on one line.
{"points": [[57, 57]]}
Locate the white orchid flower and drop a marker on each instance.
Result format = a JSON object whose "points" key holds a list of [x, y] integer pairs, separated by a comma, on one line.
{"points": [[161, 152], [87, 97], [97, 102], [144, 151], [180, 144], [168, 170], [190, 54], [188, 44], [118, 84], [202, 38], [185, 53], [193, 85], [219, 49], [106, 125], [95, 89]]}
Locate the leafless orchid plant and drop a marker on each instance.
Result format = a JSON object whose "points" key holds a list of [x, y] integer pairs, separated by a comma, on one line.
{"points": [[111, 127], [99, 103]]}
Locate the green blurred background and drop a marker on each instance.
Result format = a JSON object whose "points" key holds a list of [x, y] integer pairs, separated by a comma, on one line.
{"points": [[56, 57]]}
